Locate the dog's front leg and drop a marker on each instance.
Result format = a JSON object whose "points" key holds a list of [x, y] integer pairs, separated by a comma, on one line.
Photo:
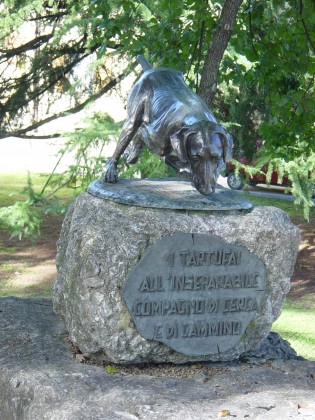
{"points": [[110, 174], [128, 131]]}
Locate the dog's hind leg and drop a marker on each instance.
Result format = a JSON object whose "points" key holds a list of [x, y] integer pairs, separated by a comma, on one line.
{"points": [[135, 147], [133, 151]]}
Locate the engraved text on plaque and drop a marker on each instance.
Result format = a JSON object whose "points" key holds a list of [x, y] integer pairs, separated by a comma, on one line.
{"points": [[195, 293]]}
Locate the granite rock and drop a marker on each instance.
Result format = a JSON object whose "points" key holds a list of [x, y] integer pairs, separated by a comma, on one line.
{"points": [[273, 347], [102, 241], [40, 379]]}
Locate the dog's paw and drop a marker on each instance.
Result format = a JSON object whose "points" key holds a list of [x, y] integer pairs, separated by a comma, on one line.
{"points": [[110, 174]]}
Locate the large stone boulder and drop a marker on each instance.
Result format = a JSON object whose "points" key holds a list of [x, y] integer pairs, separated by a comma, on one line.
{"points": [[103, 244], [40, 379]]}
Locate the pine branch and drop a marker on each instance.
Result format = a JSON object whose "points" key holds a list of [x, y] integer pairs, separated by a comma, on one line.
{"points": [[51, 17], [58, 75], [30, 137], [21, 133], [29, 46]]}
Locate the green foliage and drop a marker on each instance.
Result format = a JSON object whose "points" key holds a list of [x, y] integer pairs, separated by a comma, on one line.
{"points": [[301, 173], [24, 217], [86, 145], [21, 219], [148, 165], [111, 369], [267, 86], [170, 34], [249, 170]]}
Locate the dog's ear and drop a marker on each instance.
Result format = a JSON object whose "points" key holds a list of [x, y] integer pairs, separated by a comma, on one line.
{"points": [[227, 140], [179, 143], [228, 148]]}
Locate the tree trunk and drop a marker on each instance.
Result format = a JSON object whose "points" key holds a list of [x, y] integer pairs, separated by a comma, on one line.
{"points": [[220, 40]]}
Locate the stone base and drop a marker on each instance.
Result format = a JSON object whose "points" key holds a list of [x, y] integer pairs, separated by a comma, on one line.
{"points": [[40, 379], [102, 242]]}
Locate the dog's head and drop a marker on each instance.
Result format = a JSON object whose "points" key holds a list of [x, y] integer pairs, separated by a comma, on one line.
{"points": [[205, 146]]}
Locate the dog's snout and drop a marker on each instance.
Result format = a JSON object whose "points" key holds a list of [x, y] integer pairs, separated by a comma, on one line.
{"points": [[206, 191], [204, 176]]}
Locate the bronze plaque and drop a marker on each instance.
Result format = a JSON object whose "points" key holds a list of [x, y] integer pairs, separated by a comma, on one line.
{"points": [[195, 293]]}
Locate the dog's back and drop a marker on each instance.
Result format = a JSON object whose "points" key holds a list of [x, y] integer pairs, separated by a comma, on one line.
{"points": [[167, 97]]}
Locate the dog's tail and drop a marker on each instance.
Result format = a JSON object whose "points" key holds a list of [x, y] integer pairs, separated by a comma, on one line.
{"points": [[144, 63]]}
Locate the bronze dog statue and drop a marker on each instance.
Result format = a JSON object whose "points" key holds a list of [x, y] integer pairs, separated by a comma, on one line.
{"points": [[172, 121]]}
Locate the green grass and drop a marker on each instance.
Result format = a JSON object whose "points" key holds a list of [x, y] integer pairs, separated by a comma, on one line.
{"points": [[288, 206], [7, 249], [32, 291], [12, 188], [296, 325]]}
